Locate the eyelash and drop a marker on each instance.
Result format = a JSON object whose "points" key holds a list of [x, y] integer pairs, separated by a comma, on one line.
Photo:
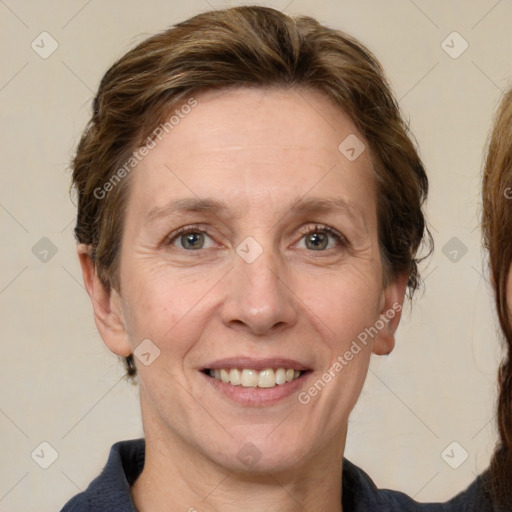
{"points": [[341, 239]]}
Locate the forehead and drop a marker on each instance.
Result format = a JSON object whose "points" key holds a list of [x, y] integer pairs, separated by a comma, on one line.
{"points": [[293, 118], [257, 145]]}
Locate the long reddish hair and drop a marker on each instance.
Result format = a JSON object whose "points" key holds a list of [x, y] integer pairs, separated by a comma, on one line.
{"points": [[497, 236]]}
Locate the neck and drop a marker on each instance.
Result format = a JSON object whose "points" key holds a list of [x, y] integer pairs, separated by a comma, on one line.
{"points": [[179, 477]]}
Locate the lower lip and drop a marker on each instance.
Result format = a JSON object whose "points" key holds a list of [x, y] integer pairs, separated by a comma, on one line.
{"points": [[257, 397]]}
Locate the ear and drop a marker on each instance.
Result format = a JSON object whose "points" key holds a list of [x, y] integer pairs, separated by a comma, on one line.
{"points": [[390, 314], [106, 304]]}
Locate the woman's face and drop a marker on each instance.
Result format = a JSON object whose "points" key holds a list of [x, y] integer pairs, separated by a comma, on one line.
{"points": [[250, 245]]}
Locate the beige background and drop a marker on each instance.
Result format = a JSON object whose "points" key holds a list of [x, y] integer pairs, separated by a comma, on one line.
{"points": [[60, 385]]}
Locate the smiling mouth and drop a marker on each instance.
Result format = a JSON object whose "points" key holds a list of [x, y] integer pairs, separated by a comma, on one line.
{"points": [[250, 378]]}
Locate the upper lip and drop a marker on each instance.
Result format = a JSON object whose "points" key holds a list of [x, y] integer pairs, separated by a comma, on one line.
{"points": [[255, 364]]}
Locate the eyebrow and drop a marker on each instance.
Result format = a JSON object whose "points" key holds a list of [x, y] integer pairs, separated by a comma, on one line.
{"points": [[300, 206], [187, 205]]}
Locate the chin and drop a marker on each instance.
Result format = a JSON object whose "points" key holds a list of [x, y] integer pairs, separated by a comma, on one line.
{"points": [[260, 455]]}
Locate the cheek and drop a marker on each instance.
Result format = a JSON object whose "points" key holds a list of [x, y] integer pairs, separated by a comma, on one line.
{"points": [[346, 303], [155, 309]]}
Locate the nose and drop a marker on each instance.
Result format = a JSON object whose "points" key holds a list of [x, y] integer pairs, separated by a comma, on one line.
{"points": [[259, 300]]}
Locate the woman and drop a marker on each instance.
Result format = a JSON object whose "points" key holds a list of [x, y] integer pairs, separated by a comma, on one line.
{"points": [[497, 234], [249, 211], [492, 491]]}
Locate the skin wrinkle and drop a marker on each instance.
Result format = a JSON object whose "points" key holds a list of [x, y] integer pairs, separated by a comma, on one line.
{"points": [[272, 82], [210, 303], [221, 210]]}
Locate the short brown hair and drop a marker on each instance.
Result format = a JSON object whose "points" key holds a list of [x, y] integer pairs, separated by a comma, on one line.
{"points": [[497, 238], [255, 47]]}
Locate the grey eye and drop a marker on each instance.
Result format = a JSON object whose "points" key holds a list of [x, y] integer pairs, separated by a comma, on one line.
{"points": [[317, 241], [192, 240]]}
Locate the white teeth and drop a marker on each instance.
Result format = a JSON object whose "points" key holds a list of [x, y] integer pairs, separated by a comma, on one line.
{"points": [[280, 376], [267, 379], [250, 378], [234, 377]]}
